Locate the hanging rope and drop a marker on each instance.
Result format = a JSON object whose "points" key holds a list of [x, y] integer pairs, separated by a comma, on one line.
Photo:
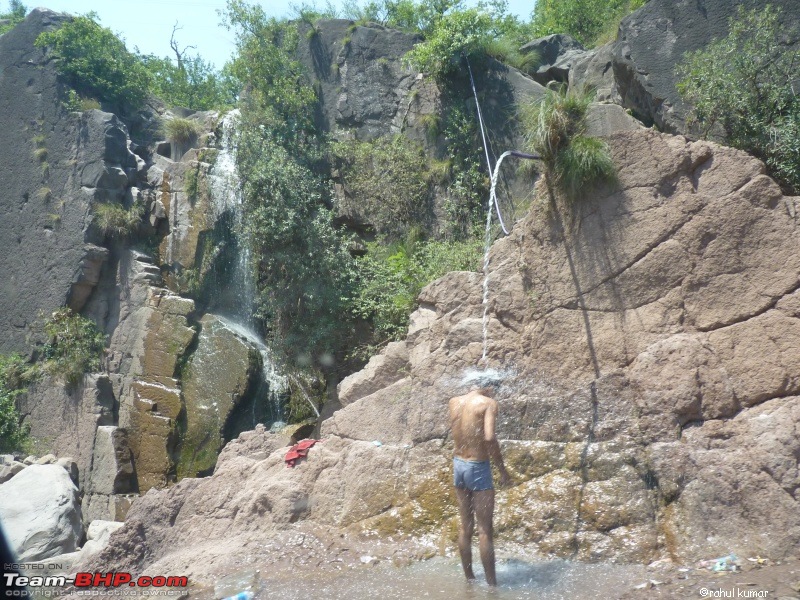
{"points": [[494, 173], [492, 196]]}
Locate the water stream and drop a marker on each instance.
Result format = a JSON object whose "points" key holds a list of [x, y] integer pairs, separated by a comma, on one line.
{"points": [[226, 194]]}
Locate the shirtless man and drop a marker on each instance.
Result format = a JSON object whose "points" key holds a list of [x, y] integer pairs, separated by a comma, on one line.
{"points": [[472, 421]]}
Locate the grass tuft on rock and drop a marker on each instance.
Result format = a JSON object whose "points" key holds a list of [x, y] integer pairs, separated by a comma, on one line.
{"points": [[555, 127], [114, 220], [181, 131]]}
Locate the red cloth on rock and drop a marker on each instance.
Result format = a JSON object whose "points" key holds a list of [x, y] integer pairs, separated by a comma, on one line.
{"points": [[298, 451]]}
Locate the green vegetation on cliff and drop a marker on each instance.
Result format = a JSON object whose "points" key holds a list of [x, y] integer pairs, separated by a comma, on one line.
{"points": [[591, 22], [747, 84], [16, 374], [386, 178], [74, 346], [303, 268], [114, 220], [393, 275], [96, 62], [555, 130], [16, 13]]}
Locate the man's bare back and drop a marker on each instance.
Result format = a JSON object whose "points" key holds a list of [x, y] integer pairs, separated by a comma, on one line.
{"points": [[468, 422]]}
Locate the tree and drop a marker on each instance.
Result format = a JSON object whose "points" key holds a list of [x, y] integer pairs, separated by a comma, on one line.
{"points": [[747, 84]]}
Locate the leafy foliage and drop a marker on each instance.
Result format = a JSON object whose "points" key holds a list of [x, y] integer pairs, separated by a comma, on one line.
{"points": [[386, 180], [744, 83], [555, 128], [15, 376], [392, 276], [456, 33], [191, 83], [585, 20], [74, 347], [15, 15], [467, 184], [96, 61], [276, 86], [304, 270]]}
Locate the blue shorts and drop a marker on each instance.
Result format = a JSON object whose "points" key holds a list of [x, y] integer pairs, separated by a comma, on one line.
{"points": [[472, 475]]}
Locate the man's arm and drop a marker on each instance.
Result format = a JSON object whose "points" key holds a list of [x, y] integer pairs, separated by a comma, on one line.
{"points": [[492, 445]]}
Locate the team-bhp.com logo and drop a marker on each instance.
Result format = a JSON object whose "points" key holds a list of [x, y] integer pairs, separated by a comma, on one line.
{"points": [[90, 580]]}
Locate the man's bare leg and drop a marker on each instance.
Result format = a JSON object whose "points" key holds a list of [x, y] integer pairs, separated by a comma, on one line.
{"points": [[465, 530], [484, 510]]}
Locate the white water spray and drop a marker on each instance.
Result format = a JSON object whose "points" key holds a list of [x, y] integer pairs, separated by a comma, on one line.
{"points": [[227, 196]]}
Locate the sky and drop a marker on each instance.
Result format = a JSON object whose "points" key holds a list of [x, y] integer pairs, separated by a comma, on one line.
{"points": [[147, 24]]}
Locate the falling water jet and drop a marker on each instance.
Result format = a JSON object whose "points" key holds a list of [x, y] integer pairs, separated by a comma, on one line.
{"points": [[226, 194], [488, 238]]}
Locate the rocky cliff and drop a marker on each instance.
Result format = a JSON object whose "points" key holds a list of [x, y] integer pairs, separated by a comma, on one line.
{"points": [[648, 334], [650, 408]]}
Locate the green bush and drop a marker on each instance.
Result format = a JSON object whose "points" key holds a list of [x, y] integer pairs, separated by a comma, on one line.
{"points": [[15, 15], [96, 61], [115, 220], [74, 346], [588, 21], [392, 276], [278, 89], [467, 184], [744, 83], [15, 376], [554, 130], [386, 179], [455, 33]]}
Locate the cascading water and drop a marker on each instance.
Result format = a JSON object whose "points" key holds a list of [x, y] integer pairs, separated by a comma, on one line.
{"points": [[226, 194]]}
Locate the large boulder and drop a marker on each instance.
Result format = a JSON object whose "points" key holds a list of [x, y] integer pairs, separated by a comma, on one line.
{"points": [[556, 54], [655, 38], [40, 512], [221, 374]]}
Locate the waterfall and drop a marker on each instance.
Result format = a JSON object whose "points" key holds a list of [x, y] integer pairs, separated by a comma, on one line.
{"points": [[227, 197]]}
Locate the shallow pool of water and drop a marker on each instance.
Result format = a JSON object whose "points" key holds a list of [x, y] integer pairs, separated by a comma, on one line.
{"points": [[442, 578]]}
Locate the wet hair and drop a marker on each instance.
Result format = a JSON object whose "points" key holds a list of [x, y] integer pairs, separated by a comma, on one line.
{"points": [[486, 378]]}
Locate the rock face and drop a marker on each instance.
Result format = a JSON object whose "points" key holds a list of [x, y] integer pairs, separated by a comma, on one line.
{"points": [[367, 91], [45, 210], [650, 407], [212, 391], [557, 53], [654, 39], [40, 511]]}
